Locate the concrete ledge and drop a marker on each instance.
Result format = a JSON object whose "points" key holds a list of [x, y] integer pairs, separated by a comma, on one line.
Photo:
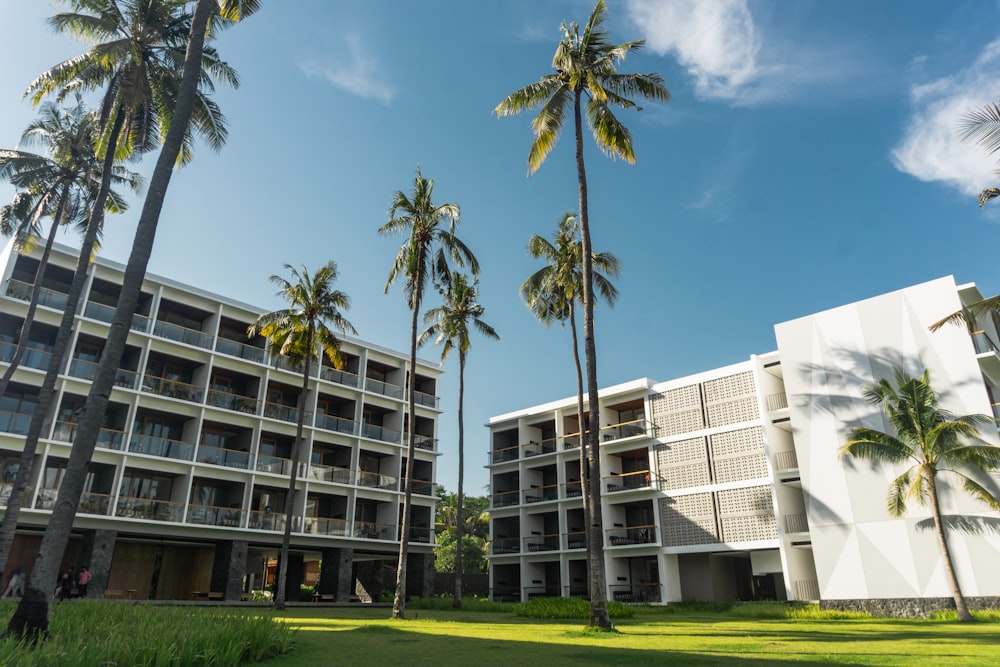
{"points": [[907, 607]]}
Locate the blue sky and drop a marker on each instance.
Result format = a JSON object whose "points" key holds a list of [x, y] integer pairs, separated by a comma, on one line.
{"points": [[808, 158]]}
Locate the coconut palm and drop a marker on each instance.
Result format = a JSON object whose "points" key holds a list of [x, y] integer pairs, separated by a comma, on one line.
{"points": [[982, 126], [61, 184], [585, 66], [302, 332], [552, 292], [449, 327], [933, 441], [425, 255], [31, 617]]}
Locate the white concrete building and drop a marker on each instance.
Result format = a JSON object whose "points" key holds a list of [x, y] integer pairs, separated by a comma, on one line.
{"points": [[727, 485]]}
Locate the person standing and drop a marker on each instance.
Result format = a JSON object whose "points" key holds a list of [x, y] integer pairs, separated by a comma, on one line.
{"points": [[82, 580], [15, 588], [65, 585]]}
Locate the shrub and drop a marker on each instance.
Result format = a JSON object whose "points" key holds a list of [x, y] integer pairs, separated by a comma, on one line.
{"points": [[568, 608], [469, 603]]}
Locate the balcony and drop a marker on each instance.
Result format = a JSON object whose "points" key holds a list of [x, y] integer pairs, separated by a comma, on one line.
{"points": [[94, 503], [795, 523], [330, 474], [506, 545], [383, 388], [786, 460], [31, 358], [285, 413], [381, 433], [374, 480], [539, 542], [335, 423], [533, 592], [639, 479], [21, 291], [576, 540], [172, 389], [423, 487], [220, 456], [14, 422], [103, 313], [775, 402], [209, 515], [573, 489], [87, 370], [107, 438], [234, 402], [421, 534], [538, 494], [504, 455], [176, 332], [628, 535], [635, 593], [629, 429], [374, 531], [425, 442], [165, 447], [274, 464], [316, 525], [537, 448], [420, 398], [505, 498], [267, 521], [340, 377], [152, 510], [234, 348]]}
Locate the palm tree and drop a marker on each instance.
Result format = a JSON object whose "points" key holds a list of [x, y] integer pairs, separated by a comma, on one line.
{"points": [[982, 126], [31, 617], [61, 185], [585, 66], [424, 255], [302, 332], [449, 327], [933, 441], [551, 293]]}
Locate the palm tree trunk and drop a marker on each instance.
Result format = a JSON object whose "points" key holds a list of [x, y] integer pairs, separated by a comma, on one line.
{"points": [[581, 419], [457, 602], [595, 539], [399, 600], [281, 593], [32, 615], [949, 568]]}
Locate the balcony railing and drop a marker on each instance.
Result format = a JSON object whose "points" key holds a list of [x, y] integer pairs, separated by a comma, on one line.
{"points": [[540, 542], [181, 334], [14, 422], [274, 464], [777, 401], [330, 474], [374, 480], [629, 429], [537, 448], [423, 487], [87, 370], [264, 520], [384, 388], [144, 508], [505, 498], [46, 297], [786, 460], [571, 440], [46, 499], [573, 489], [172, 388], [503, 455], [421, 441], [420, 398], [620, 536], [107, 438], [534, 592], [796, 523], [104, 313], [31, 358], [374, 531], [537, 494], [317, 525], [242, 350], [220, 456], [506, 545], [165, 447], [340, 377], [421, 534], [635, 593], [209, 515], [639, 479], [983, 343], [234, 402], [285, 363], [335, 423], [381, 433], [578, 590], [576, 540], [94, 503], [285, 413]]}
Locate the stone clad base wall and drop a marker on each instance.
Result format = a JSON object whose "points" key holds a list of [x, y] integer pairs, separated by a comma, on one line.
{"points": [[907, 607]]}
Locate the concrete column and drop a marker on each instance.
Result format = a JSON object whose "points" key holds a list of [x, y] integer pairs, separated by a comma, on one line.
{"points": [[97, 550], [337, 576], [293, 577], [229, 568], [420, 575]]}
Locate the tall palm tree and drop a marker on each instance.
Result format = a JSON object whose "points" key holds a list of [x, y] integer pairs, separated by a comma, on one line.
{"points": [[585, 66], [552, 292], [449, 327], [933, 441], [62, 185], [424, 255], [31, 617], [302, 332], [982, 126]]}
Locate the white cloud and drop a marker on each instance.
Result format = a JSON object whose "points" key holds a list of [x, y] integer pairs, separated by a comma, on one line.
{"points": [[931, 149], [358, 75], [716, 41]]}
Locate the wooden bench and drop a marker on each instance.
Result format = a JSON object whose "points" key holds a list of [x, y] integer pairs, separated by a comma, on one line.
{"points": [[114, 594], [216, 596]]}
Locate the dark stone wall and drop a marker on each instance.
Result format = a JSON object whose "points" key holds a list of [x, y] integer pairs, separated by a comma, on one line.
{"points": [[907, 607], [337, 576], [473, 583], [228, 568], [97, 550]]}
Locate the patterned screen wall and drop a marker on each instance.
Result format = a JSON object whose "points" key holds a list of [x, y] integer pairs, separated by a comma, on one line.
{"points": [[746, 514], [682, 464], [677, 410], [688, 520], [731, 399], [739, 455]]}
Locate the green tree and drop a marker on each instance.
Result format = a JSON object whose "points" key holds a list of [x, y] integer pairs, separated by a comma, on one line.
{"points": [[552, 292], [585, 65], [31, 617], [982, 126], [472, 557], [449, 327], [302, 332], [424, 255], [932, 441], [61, 184]]}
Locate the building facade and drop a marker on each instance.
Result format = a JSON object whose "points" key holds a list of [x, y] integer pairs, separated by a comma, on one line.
{"points": [[727, 485], [187, 491]]}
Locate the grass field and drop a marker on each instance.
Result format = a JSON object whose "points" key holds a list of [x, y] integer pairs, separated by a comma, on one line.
{"points": [[432, 638]]}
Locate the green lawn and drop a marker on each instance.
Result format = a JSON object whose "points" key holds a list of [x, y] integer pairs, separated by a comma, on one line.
{"points": [[360, 636]]}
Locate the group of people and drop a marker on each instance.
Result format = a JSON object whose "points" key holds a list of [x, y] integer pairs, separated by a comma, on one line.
{"points": [[64, 586]]}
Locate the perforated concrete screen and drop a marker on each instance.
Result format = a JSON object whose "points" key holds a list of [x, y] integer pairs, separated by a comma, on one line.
{"points": [[682, 464], [677, 410], [739, 455], [688, 520], [746, 514], [731, 399]]}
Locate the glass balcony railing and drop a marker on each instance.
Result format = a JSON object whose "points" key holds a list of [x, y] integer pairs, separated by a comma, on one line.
{"points": [[504, 454], [505, 498], [430, 400], [176, 332], [538, 447], [538, 494], [94, 503], [639, 479], [274, 464], [46, 499], [374, 531], [107, 438], [105, 313], [623, 536], [330, 474], [14, 422], [47, 297], [629, 429], [264, 520], [383, 388], [87, 370], [220, 456], [317, 525], [420, 441], [374, 480], [283, 413], [165, 447], [335, 423], [148, 509], [234, 402], [242, 350], [209, 515], [423, 487], [506, 545], [421, 534], [340, 377], [32, 357], [172, 388], [381, 433]]}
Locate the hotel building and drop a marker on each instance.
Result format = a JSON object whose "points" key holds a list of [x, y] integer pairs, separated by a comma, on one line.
{"points": [[727, 485], [186, 495]]}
